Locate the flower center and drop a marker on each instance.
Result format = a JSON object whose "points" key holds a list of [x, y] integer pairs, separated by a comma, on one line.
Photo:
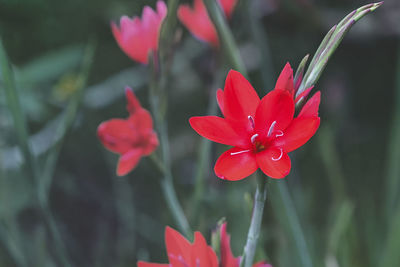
{"points": [[262, 143]]}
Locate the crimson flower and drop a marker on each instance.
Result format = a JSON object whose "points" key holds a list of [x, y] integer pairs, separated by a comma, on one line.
{"points": [[227, 258], [198, 22], [181, 253], [138, 37], [132, 138], [261, 132]]}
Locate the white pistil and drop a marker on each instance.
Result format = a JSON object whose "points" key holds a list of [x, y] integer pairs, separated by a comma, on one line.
{"points": [[271, 129], [280, 156], [240, 152]]}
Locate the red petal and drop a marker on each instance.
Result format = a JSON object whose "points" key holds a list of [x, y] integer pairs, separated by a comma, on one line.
{"points": [[220, 100], [227, 258], [310, 109], [212, 257], [178, 247], [227, 7], [200, 253], [274, 162], [133, 102], [275, 112], [128, 161], [161, 9], [141, 121], [198, 23], [129, 37], [285, 80], [147, 264], [241, 100], [151, 143], [298, 133], [217, 130], [117, 135], [235, 164]]}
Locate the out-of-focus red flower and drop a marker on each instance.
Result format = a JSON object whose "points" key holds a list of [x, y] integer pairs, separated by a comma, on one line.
{"points": [[198, 22], [132, 138], [261, 131], [138, 37], [181, 253], [227, 258]]}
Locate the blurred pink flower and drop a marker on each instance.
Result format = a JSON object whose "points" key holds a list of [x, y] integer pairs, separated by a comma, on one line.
{"points": [[198, 22], [132, 138], [138, 37]]}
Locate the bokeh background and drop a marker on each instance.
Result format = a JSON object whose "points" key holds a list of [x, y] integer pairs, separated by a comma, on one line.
{"points": [[344, 184]]}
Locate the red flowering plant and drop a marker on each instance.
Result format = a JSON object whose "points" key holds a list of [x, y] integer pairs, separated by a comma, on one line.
{"points": [[261, 131], [139, 37], [181, 253], [132, 137], [197, 20]]}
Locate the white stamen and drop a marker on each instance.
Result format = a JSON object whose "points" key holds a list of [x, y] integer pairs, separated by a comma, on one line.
{"points": [[253, 138], [271, 129], [240, 152], [280, 133], [280, 156]]}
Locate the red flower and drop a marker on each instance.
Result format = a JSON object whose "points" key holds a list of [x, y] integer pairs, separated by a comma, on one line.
{"points": [[137, 38], [198, 22], [183, 254], [227, 258], [132, 138], [261, 131]]}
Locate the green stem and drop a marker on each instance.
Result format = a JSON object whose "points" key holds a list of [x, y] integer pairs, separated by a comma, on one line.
{"points": [[393, 167], [294, 225], [170, 196], [22, 132], [158, 100], [19, 119], [65, 124], [255, 225], [225, 35]]}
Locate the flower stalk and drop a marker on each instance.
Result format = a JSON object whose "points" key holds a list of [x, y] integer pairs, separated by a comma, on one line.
{"points": [[256, 220], [225, 35]]}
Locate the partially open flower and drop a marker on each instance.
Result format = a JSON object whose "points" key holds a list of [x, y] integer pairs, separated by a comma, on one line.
{"points": [[132, 138], [138, 37], [198, 22], [261, 132], [181, 253]]}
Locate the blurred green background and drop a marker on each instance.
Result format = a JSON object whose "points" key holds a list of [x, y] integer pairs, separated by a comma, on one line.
{"points": [[344, 183]]}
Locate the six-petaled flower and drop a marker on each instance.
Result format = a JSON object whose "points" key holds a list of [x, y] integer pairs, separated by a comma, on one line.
{"points": [[139, 37], [132, 138], [261, 132], [198, 22]]}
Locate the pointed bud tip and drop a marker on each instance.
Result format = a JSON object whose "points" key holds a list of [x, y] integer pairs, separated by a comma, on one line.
{"points": [[127, 88]]}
